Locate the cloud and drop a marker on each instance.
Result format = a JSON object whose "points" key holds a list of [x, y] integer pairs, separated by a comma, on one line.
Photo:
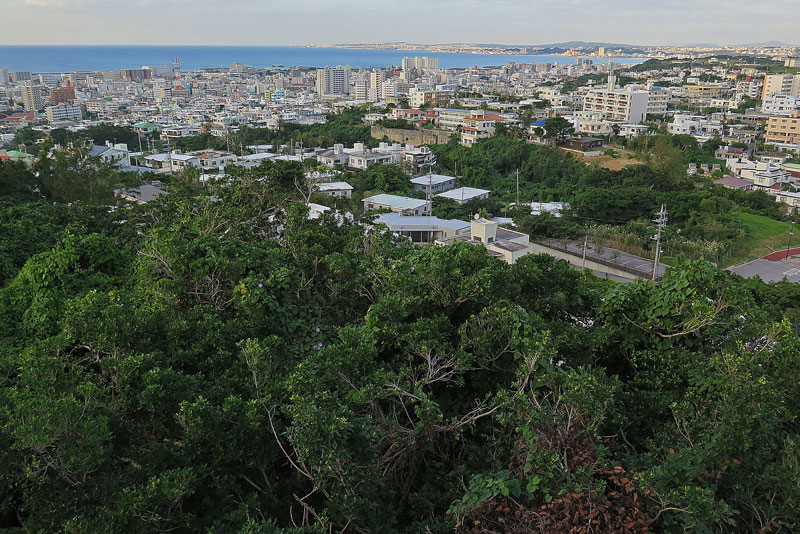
{"points": [[276, 22], [60, 4]]}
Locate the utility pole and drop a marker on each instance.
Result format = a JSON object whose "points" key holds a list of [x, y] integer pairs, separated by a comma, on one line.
{"points": [[430, 191], [518, 186], [662, 223], [585, 242], [789, 245]]}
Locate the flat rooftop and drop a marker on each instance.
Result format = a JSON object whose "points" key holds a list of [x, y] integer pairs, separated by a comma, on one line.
{"points": [[463, 193], [333, 186], [395, 201], [433, 179], [398, 221]]}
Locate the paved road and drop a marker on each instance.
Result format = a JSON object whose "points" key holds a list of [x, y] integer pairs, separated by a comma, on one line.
{"points": [[781, 255]]}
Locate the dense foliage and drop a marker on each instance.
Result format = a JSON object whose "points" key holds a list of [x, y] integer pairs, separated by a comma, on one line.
{"points": [[702, 212], [214, 361]]}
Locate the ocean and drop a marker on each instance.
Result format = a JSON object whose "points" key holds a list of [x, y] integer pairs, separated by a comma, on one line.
{"points": [[40, 59]]}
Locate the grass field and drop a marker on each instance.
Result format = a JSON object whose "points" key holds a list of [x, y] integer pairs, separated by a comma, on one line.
{"points": [[764, 235]]}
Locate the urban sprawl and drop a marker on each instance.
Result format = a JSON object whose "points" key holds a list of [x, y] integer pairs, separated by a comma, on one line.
{"points": [[746, 102]]}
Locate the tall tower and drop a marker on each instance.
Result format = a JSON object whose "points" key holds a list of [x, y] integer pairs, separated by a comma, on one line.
{"points": [[176, 68]]}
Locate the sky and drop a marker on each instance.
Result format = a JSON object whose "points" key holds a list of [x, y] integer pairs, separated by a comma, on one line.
{"points": [[297, 22]]}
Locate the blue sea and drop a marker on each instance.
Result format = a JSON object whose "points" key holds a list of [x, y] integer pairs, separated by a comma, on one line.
{"points": [[94, 58]]}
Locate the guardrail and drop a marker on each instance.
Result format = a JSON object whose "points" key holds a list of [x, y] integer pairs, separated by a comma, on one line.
{"points": [[647, 275]]}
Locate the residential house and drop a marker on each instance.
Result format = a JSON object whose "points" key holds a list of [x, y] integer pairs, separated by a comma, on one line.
{"points": [[334, 189], [397, 204], [423, 229], [462, 195], [502, 243], [435, 183]]}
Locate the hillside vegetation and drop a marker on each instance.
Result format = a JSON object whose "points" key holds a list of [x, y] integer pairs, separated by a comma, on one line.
{"points": [[214, 361]]}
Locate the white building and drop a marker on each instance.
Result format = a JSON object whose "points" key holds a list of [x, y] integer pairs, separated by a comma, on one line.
{"points": [[790, 199], [397, 204], [423, 229], [63, 112], [764, 175], [657, 100], [697, 125], [333, 81], [172, 162], [781, 84], [435, 183], [462, 195], [421, 63], [780, 104], [102, 107], [363, 158], [118, 154], [615, 104], [334, 189]]}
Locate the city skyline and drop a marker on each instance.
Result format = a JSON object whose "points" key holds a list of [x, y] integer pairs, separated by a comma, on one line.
{"points": [[243, 22]]}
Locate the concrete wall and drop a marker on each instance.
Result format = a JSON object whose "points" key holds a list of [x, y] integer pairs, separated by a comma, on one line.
{"points": [[578, 262], [415, 137]]}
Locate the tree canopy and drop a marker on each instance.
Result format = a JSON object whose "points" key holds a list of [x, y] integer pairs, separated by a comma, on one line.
{"points": [[214, 361]]}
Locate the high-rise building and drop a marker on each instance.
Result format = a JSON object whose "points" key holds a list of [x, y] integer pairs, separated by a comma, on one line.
{"points": [[783, 129], [410, 63], [376, 79], [135, 75], [60, 95], [161, 93], [63, 112], [616, 104], [334, 81], [781, 84], [32, 97], [4, 78], [21, 76], [780, 104]]}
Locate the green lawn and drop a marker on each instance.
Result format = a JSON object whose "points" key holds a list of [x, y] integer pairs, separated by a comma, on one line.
{"points": [[764, 235]]}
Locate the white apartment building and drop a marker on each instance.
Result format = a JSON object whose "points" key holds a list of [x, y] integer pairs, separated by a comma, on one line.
{"points": [[657, 100], [333, 81], [764, 175], [63, 112], [780, 104], [616, 104], [631, 131], [781, 84], [102, 107], [362, 158], [590, 123], [686, 124], [410, 63], [750, 89], [418, 97], [173, 162]]}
